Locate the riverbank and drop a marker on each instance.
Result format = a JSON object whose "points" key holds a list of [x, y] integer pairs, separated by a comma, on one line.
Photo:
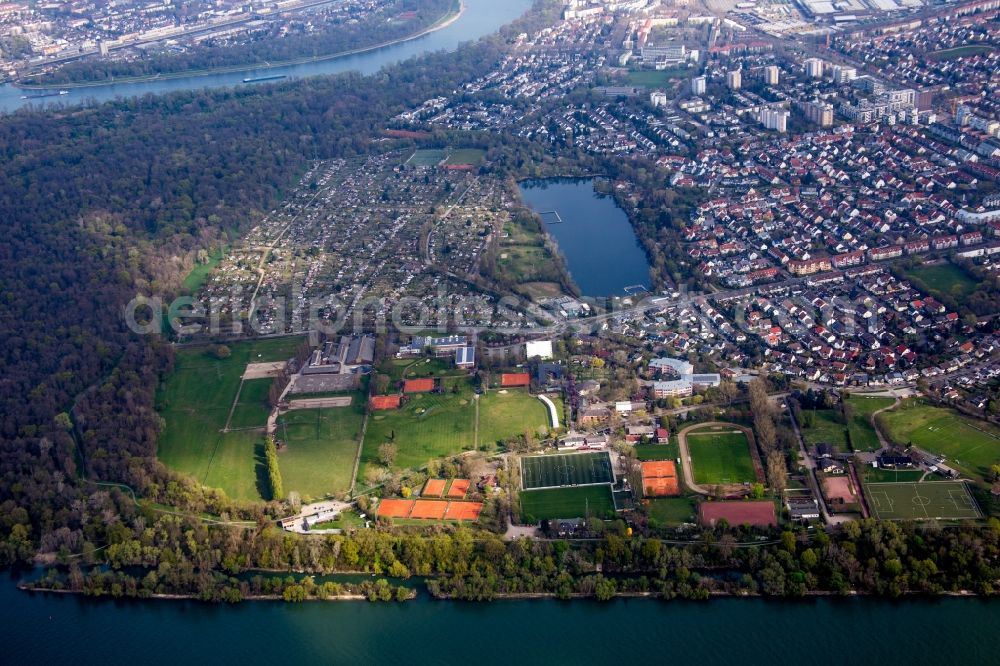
{"points": [[529, 596], [442, 22]]}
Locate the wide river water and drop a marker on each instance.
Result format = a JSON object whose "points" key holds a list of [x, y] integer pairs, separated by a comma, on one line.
{"points": [[48, 629], [55, 629], [594, 235], [480, 18]]}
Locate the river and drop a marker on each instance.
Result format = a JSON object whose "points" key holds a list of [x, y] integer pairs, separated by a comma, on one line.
{"points": [[480, 18], [46, 629], [594, 235]]}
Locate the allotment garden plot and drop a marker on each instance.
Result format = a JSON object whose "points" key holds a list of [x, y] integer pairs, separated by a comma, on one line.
{"points": [[574, 469], [936, 500]]}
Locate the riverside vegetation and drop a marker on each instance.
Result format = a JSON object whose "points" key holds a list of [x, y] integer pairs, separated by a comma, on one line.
{"points": [[103, 202]]}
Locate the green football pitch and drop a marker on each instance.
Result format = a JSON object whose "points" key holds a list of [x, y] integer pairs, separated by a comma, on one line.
{"points": [[938, 500], [572, 469]]}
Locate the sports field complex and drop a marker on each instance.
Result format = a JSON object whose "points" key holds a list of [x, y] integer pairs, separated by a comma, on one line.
{"points": [[572, 485], [571, 469], [935, 500]]}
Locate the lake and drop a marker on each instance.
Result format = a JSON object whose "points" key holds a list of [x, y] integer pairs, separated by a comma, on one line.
{"points": [[36, 628], [594, 235], [480, 18]]}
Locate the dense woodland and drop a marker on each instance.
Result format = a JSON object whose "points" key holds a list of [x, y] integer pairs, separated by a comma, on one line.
{"points": [[103, 202], [267, 47]]}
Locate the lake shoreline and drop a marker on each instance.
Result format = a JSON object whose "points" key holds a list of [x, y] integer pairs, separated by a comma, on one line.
{"points": [[531, 596], [442, 22]]}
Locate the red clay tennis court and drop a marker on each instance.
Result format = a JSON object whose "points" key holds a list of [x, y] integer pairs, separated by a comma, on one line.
{"points": [[508, 379], [395, 508], [660, 486], [463, 510], [659, 478], [418, 385], [429, 509], [434, 488], [385, 401], [759, 514], [459, 487], [838, 490]]}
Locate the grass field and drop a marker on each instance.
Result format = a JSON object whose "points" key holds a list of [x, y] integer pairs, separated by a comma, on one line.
{"points": [[253, 406], [947, 500], [195, 400], [967, 444], [657, 451], [321, 444], [649, 78], [412, 368], [878, 475], [826, 429], [577, 502], [199, 274], [466, 156], [346, 519], [944, 278], [426, 157], [427, 427], [863, 436], [503, 415], [568, 469], [720, 457], [960, 52], [672, 510]]}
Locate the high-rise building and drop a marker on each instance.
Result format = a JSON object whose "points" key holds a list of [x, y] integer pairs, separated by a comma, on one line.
{"points": [[698, 85], [734, 79], [814, 68], [842, 74], [771, 73], [774, 119], [658, 98], [819, 113]]}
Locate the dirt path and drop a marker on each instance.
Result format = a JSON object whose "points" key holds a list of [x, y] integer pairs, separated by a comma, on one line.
{"points": [[357, 457], [320, 403], [883, 442]]}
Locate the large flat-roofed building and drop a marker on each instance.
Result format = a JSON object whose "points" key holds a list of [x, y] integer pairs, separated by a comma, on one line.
{"points": [[465, 357], [443, 346]]}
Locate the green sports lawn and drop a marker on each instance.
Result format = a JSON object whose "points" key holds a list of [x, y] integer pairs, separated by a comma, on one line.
{"points": [[195, 400], [321, 445], [969, 445], [426, 157], [566, 469], [553, 503], [511, 413], [427, 427], [672, 510], [658, 451], [720, 457], [826, 429], [863, 435], [466, 156], [945, 500]]}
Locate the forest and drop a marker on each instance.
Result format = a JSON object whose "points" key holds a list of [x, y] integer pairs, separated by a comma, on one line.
{"points": [[337, 35]]}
